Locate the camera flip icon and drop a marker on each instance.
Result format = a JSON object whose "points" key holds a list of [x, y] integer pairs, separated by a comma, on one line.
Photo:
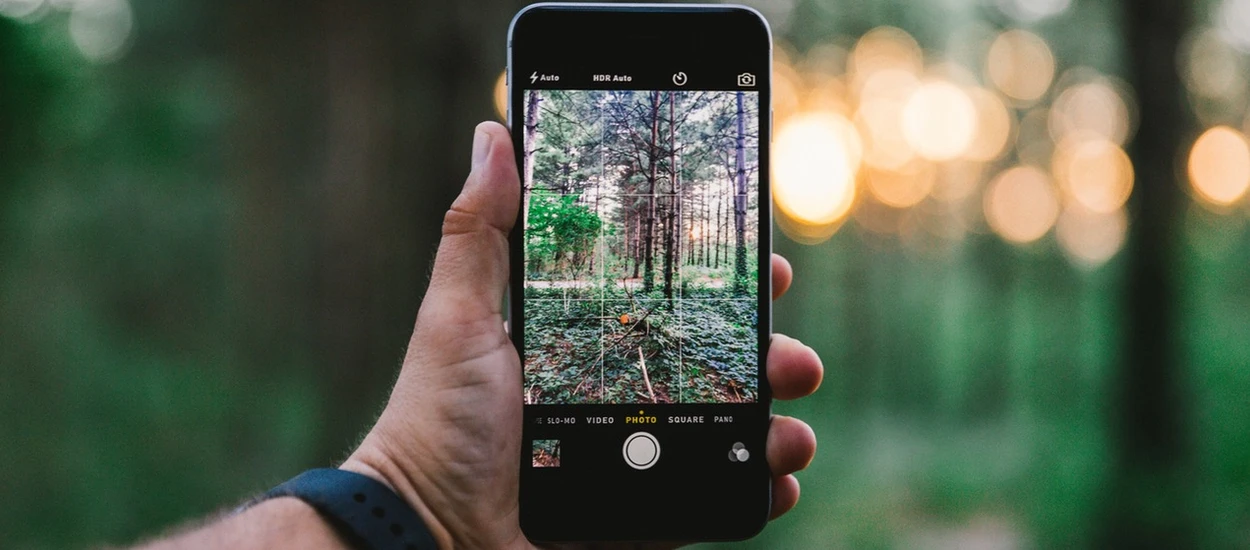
{"points": [[746, 80]]}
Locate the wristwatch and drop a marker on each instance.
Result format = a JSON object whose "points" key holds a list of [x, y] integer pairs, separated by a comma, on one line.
{"points": [[367, 513]]}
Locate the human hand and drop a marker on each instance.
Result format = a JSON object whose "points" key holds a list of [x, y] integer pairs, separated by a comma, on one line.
{"points": [[450, 436]]}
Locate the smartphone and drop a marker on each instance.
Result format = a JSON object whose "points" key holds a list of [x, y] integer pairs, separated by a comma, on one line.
{"points": [[640, 285]]}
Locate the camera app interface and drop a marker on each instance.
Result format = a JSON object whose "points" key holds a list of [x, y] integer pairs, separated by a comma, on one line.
{"points": [[641, 250]]}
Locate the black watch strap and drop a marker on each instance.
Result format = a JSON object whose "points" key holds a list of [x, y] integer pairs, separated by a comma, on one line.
{"points": [[372, 515]]}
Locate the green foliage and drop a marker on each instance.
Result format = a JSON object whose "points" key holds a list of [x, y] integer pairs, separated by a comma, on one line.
{"points": [[561, 233]]}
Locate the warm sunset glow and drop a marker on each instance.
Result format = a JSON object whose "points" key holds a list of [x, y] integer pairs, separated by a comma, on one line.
{"points": [[1219, 165], [1020, 64], [815, 160], [1094, 172], [939, 120], [1021, 205], [501, 96], [1090, 238]]}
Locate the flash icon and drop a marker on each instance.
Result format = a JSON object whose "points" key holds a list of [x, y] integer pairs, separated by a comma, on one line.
{"points": [[534, 77]]}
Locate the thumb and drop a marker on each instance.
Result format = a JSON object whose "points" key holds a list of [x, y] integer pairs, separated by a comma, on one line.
{"points": [[471, 269]]}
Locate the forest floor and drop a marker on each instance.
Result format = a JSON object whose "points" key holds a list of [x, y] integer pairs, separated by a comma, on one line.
{"points": [[631, 283], [700, 349]]}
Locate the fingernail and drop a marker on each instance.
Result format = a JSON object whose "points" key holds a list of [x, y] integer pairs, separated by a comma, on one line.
{"points": [[481, 146]]}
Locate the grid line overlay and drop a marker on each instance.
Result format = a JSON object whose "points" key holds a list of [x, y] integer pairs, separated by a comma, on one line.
{"points": [[671, 206]]}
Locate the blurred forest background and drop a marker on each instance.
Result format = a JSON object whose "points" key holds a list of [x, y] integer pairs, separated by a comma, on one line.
{"points": [[1023, 256]]}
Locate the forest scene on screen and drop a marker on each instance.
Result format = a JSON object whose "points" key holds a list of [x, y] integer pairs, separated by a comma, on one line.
{"points": [[641, 216]]}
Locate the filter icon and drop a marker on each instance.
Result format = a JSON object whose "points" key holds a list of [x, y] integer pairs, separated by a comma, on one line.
{"points": [[739, 453]]}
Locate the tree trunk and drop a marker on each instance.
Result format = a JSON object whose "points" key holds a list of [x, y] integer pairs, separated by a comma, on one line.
{"points": [[531, 133], [637, 244], [1152, 453], [679, 221], [669, 221], [740, 202], [720, 216], [707, 215], [648, 228], [674, 204]]}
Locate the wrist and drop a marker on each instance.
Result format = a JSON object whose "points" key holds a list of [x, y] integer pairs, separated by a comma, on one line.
{"points": [[368, 461]]}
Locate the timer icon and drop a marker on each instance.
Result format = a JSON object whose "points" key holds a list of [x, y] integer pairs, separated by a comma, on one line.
{"points": [[679, 78]]}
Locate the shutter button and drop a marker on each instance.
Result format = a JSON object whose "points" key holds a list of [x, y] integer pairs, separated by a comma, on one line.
{"points": [[641, 450]]}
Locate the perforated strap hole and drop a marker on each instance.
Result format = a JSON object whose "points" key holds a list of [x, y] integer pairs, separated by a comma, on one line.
{"points": [[378, 512]]}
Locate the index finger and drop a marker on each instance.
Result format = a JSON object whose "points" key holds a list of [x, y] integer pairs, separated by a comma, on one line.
{"points": [[782, 275]]}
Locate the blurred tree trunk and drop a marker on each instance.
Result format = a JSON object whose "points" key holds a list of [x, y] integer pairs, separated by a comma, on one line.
{"points": [[356, 223], [268, 232], [1149, 504], [332, 254]]}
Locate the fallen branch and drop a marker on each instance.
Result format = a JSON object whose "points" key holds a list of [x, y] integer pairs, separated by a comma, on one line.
{"points": [[643, 364]]}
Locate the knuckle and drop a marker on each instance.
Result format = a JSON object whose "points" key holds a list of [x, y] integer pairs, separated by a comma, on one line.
{"points": [[461, 221]]}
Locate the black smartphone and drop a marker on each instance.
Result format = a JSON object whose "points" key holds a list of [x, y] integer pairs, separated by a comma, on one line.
{"points": [[641, 271]]}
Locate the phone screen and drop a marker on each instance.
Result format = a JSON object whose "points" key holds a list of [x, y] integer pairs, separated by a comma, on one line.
{"points": [[641, 276]]}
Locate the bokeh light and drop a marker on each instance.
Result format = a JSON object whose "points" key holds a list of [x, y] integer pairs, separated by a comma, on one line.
{"points": [[1091, 238], [1211, 68], [1233, 19], [903, 187], [786, 89], [827, 58], [880, 123], [1021, 65], [1219, 166], [939, 120], [23, 10], [879, 118], [1092, 105], [1093, 171], [1028, 11], [957, 180], [826, 93], [1021, 204], [501, 96], [995, 125], [816, 159], [883, 48], [101, 29]]}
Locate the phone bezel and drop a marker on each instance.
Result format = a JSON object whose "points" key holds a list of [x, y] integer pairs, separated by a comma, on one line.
{"points": [[711, 528]]}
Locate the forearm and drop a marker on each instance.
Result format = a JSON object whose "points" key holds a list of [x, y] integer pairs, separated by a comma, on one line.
{"points": [[276, 523]]}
